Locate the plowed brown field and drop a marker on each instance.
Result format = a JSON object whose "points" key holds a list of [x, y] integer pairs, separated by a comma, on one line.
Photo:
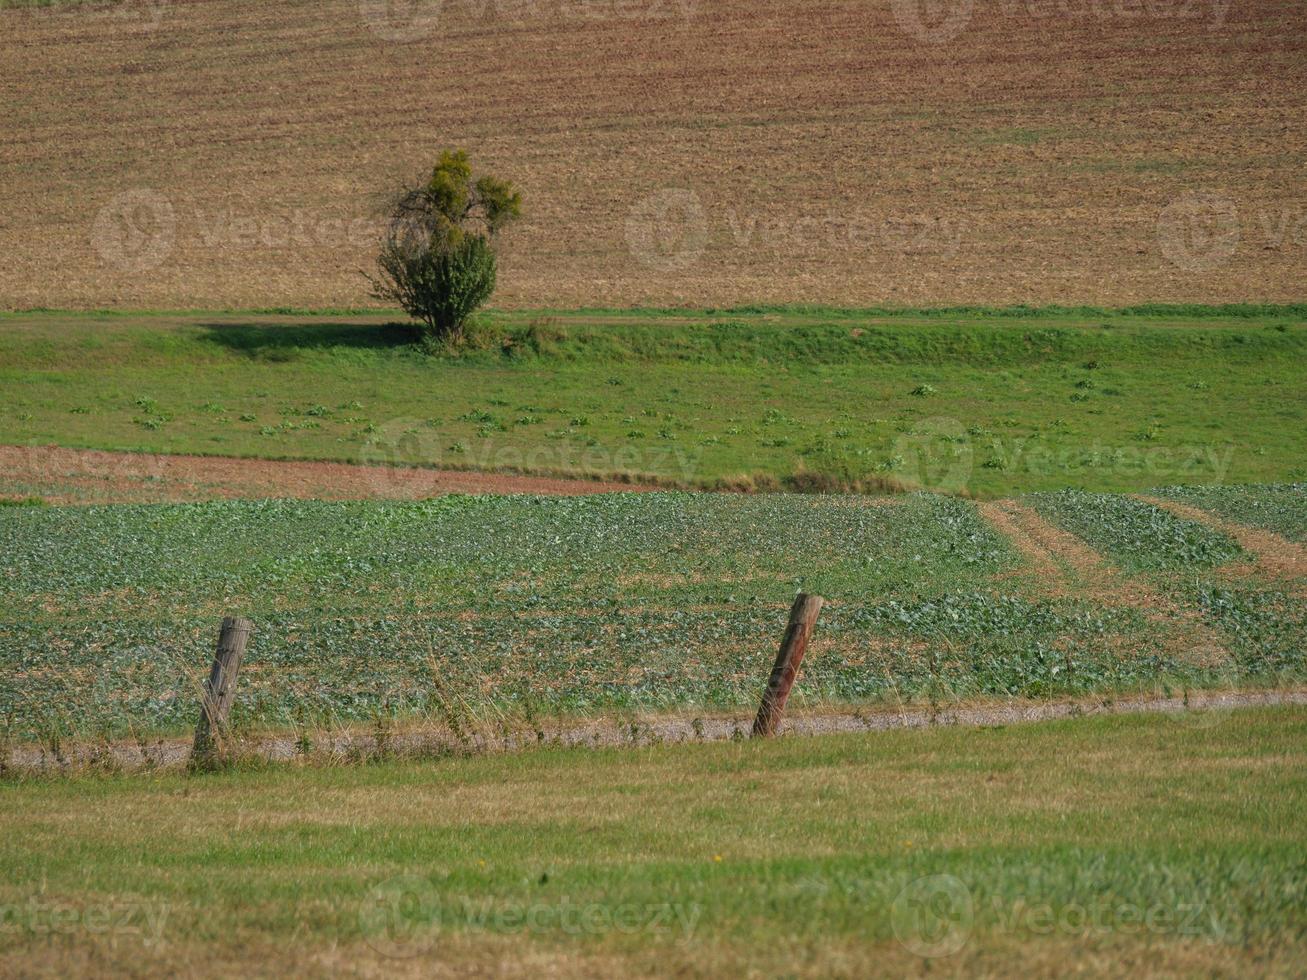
{"points": [[232, 152]]}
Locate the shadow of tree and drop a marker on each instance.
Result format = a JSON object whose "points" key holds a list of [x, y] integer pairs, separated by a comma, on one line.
{"points": [[282, 341]]}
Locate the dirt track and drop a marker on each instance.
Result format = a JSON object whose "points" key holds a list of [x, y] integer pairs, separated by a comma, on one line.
{"points": [[89, 476], [213, 154]]}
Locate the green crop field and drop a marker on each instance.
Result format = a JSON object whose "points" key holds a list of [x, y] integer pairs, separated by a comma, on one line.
{"points": [[560, 606], [985, 402], [1137, 845]]}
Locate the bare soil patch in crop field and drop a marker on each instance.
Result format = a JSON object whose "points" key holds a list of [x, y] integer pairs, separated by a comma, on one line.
{"points": [[723, 151], [1064, 565], [1274, 554], [1013, 522], [88, 476], [1063, 562]]}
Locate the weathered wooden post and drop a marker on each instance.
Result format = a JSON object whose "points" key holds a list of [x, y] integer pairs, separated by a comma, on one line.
{"points": [[220, 688], [803, 617]]}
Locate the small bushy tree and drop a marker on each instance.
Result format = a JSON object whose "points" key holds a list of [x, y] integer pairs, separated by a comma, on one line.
{"points": [[437, 261]]}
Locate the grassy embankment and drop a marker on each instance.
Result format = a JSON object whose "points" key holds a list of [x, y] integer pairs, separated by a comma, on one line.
{"points": [[986, 402]]}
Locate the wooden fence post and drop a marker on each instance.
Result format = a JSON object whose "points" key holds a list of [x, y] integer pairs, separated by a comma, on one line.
{"points": [[220, 688], [803, 617]]}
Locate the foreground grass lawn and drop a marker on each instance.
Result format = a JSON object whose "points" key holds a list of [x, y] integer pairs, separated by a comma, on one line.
{"points": [[1166, 844], [988, 402]]}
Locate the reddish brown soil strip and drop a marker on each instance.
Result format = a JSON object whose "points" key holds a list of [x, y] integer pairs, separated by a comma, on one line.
{"points": [[1275, 555], [1010, 520], [1196, 709], [1062, 561], [1065, 565], [89, 476]]}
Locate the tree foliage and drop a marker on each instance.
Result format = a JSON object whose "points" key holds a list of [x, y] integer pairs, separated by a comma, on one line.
{"points": [[438, 258]]}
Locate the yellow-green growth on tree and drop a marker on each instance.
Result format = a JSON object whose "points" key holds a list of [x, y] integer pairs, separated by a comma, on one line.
{"points": [[438, 261]]}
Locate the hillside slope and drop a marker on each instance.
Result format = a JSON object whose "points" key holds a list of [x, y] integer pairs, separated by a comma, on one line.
{"points": [[232, 153]]}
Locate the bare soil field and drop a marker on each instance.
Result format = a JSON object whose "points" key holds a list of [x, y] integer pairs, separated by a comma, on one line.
{"points": [[233, 153], [88, 476]]}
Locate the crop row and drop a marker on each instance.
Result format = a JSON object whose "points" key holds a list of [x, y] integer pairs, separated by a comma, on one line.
{"points": [[1137, 535], [488, 553], [1281, 508]]}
